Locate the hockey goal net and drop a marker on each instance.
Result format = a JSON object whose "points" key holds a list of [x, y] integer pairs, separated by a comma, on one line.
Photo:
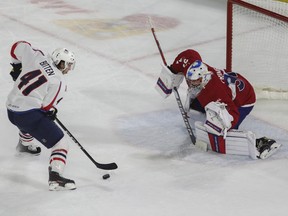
{"points": [[257, 44]]}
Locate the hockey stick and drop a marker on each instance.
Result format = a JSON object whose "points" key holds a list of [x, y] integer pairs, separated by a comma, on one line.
{"points": [[177, 96], [109, 166]]}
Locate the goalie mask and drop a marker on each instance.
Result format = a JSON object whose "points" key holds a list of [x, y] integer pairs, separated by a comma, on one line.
{"points": [[197, 74], [64, 56]]}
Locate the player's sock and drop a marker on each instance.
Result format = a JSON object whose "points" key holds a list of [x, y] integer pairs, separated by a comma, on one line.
{"points": [[56, 167]]}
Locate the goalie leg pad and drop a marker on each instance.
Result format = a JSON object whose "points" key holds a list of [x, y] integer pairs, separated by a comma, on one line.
{"points": [[236, 143], [217, 143], [201, 133]]}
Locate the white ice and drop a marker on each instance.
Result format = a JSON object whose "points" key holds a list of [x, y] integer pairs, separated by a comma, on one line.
{"points": [[114, 111]]}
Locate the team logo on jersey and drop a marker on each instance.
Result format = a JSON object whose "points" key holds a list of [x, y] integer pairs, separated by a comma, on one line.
{"points": [[102, 29]]}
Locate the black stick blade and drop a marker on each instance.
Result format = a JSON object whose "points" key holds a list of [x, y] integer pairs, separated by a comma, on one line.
{"points": [[110, 166]]}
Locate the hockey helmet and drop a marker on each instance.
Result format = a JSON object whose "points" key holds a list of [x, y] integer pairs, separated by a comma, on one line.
{"points": [[196, 70], [63, 54], [198, 74]]}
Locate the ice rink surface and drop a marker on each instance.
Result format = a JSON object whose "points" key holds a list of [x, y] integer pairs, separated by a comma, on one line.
{"points": [[114, 111]]}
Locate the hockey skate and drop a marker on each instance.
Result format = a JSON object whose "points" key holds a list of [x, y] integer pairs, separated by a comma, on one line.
{"points": [[31, 149], [57, 182], [266, 147]]}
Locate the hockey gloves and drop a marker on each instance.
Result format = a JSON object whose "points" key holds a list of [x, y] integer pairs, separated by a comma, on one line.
{"points": [[218, 119], [167, 81], [16, 70], [52, 113]]}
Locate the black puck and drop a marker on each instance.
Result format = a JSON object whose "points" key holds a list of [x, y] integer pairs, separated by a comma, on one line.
{"points": [[106, 176]]}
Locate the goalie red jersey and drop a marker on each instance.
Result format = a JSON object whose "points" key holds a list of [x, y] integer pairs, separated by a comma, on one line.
{"points": [[229, 88], [225, 97], [215, 85]]}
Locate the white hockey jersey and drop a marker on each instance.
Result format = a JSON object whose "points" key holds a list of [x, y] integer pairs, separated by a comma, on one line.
{"points": [[40, 85]]}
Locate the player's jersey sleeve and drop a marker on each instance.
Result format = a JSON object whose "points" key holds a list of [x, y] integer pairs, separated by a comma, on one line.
{"points": [[23, 52], [55, 93], [242, 91], [184, 60]]}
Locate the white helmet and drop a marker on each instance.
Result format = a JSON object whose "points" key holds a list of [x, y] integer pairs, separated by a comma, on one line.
{"points": [[196, 70], [63, 54]]}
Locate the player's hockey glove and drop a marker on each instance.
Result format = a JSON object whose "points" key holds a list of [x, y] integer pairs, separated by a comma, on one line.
{"points": [[16, 70], [52, 113]]}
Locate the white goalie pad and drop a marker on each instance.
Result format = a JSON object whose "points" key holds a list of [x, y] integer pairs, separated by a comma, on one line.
{"points": [[167, 81], [236, 143], [218, 119]]}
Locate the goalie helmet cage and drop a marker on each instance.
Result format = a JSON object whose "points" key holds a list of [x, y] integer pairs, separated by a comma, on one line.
{"points": [[257, 44]]}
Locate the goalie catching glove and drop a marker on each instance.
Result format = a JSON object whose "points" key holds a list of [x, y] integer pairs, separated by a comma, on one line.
{"points": [[218, 120], [167, 81]]}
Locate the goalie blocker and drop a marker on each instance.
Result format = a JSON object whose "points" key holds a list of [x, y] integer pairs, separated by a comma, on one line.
{"points": [[167, 81]]}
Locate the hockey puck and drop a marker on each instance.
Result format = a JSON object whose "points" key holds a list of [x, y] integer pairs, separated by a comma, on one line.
{"points": [[106, 176]]}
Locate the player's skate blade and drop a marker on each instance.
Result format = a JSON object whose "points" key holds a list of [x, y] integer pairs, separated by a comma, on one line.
{"points": [[57, 182], [55, 186], [268, 152]]}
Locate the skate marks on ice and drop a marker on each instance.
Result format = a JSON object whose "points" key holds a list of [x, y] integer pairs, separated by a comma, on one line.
{"points": [[165, 133]]}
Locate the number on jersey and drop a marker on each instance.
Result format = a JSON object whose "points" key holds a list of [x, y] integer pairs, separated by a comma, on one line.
{"points": [[26, 78]]}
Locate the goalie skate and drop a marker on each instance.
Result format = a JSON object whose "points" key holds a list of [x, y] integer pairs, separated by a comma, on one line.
{"points": [[266, 147], [29, 150], [57, 182]]}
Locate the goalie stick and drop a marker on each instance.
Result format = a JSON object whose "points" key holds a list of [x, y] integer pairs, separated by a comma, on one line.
{"points": [[176, 93], [109, 166]]}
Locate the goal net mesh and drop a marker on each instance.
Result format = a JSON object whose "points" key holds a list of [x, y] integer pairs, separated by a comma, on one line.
{"points": [[259, 45]]}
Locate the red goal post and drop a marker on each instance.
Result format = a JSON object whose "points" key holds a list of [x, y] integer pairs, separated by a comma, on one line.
{"points": [[257, 44]]}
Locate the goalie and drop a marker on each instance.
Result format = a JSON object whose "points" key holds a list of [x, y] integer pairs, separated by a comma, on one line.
{"points": [[225, 97]]}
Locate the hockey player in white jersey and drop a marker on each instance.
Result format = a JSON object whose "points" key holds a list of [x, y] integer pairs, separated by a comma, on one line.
{"points": [[31, 105]]}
